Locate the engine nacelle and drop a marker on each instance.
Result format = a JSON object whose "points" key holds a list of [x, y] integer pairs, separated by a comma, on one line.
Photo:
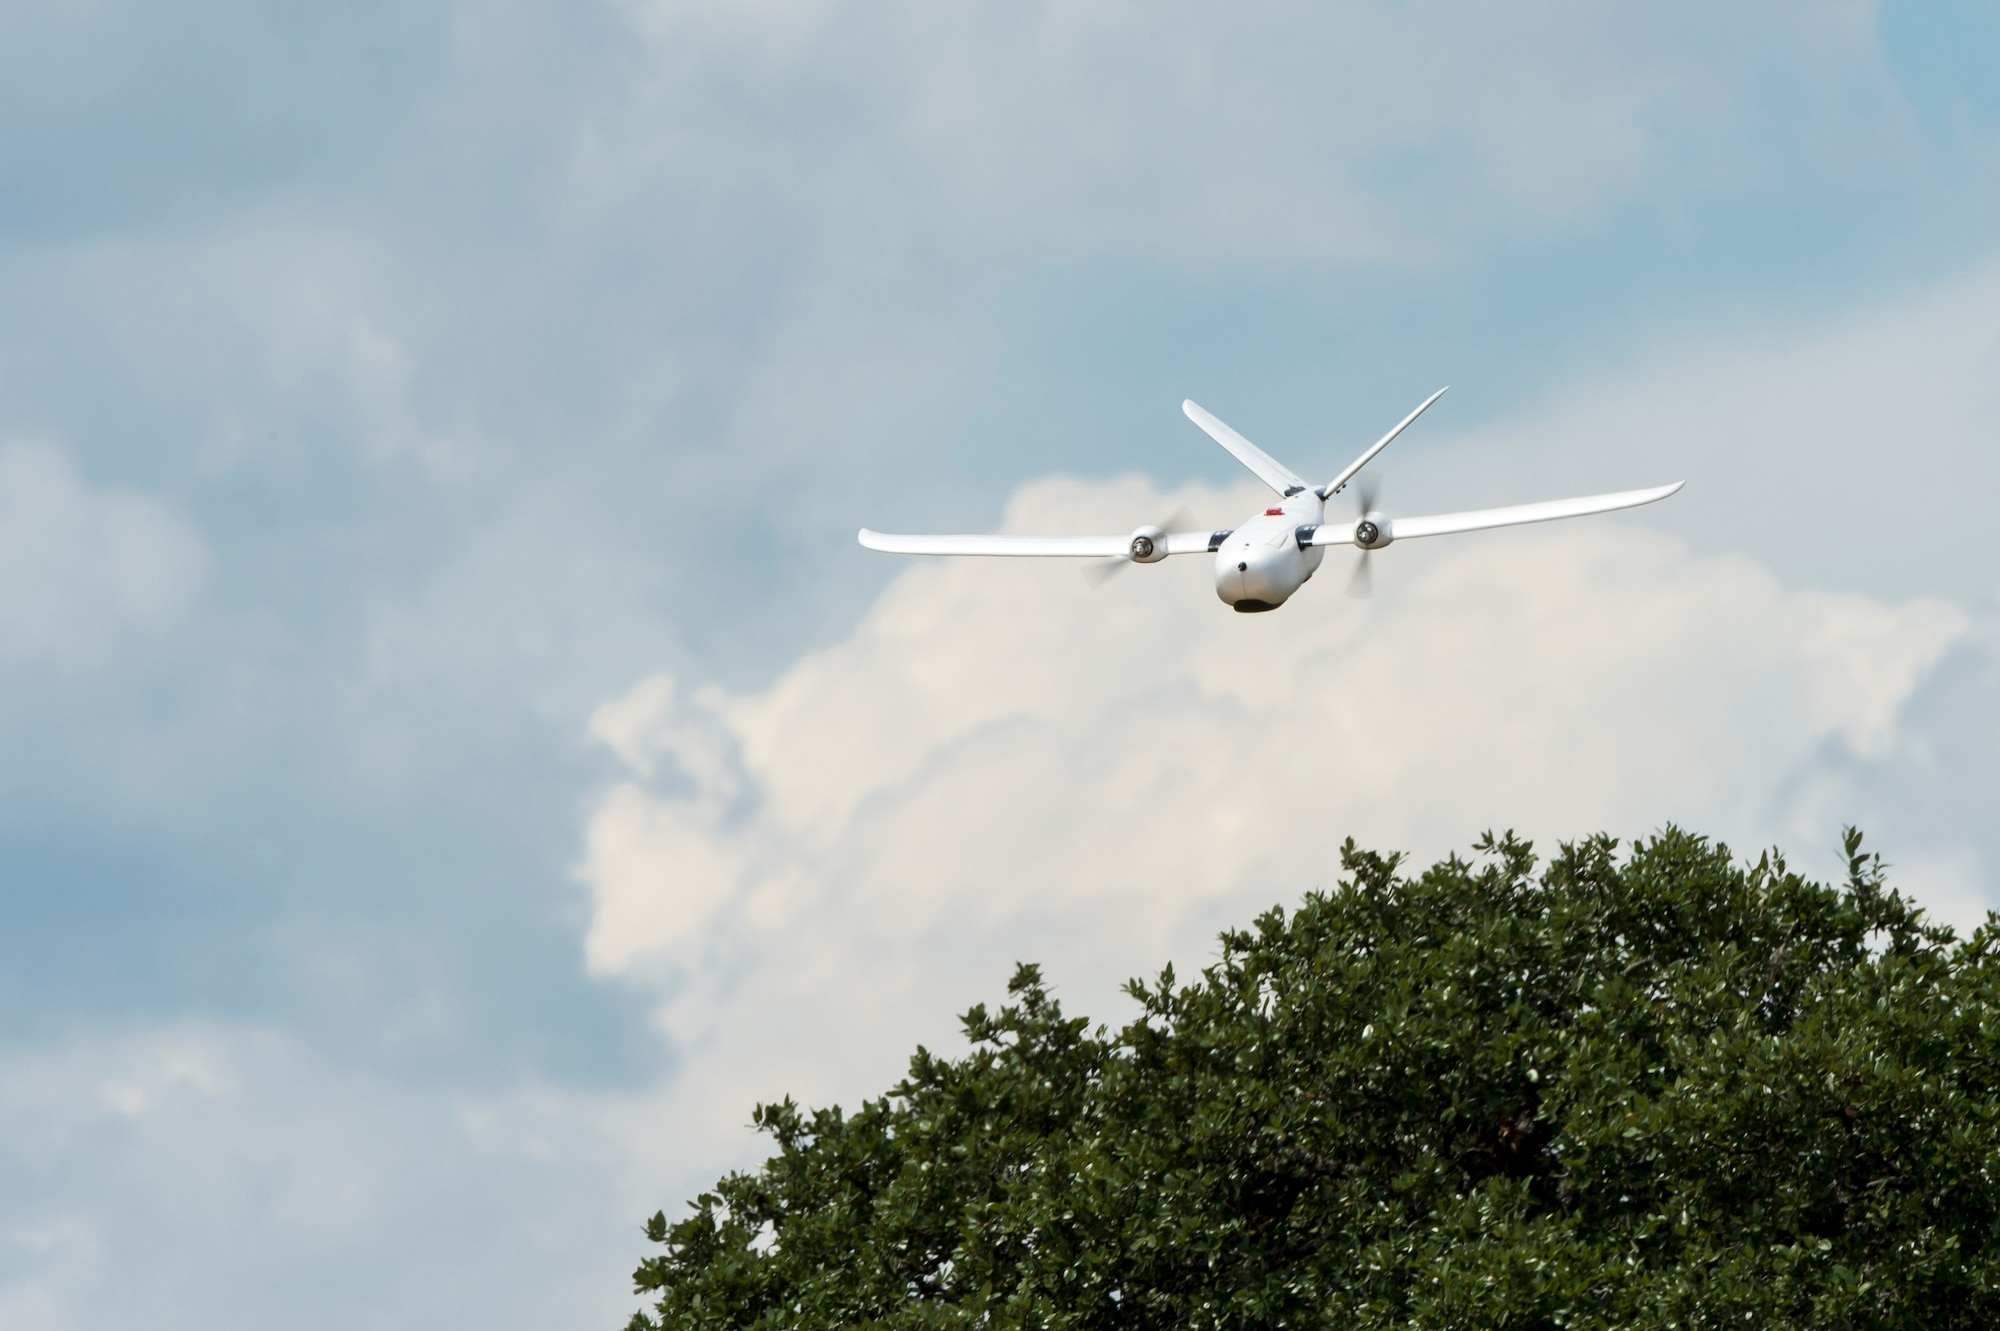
{"points": [[1148, 545], [1374, 531]]}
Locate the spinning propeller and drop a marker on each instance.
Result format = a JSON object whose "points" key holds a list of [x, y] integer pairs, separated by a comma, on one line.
{"points": [[1147, 545], [1361, 582]]}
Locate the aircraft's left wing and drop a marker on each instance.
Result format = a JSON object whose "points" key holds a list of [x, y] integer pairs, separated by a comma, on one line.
{"points": [[1059, 547], [1479, 519]]}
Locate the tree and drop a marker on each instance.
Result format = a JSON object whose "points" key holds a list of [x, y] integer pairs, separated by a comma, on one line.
{"points": [[1672, 1091]]}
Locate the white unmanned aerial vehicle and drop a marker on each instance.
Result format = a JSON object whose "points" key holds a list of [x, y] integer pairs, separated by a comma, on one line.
{"points": [[1261, 563]]}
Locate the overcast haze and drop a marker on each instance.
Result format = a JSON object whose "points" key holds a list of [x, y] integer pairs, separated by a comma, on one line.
{"points": [[455, 758]]}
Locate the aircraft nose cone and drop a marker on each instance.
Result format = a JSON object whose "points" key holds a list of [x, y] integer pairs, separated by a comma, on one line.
{"points": [[1255, 575]]}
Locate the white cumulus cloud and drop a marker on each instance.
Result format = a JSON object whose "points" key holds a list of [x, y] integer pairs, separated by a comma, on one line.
{"points": [[1000, 764]]}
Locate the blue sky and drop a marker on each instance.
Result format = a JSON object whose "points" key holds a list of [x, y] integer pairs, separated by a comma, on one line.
{"points": [[388, 395]]}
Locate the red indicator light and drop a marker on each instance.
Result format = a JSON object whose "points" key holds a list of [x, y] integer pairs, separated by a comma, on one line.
{"points": [[1274, 512]]}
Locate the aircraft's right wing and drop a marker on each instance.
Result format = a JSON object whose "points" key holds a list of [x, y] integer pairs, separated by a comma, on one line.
{"points": [[1267, 468], [1073, 547], [1057, 547]]}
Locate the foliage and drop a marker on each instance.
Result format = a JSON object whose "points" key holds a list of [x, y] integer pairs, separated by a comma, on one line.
{"points": [[1670, 1092]]}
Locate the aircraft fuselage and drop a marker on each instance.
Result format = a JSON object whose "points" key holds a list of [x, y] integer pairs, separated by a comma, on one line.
{"points": [[1260, 564]]}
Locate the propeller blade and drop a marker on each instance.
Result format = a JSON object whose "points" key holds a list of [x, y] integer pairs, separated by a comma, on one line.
{"points": [[1360, 583], [1100, 571]]}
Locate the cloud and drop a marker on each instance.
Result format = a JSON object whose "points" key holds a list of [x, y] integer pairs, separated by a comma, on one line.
{"points": [[1855, 452], [999, 764], [196, 1140], [80, 566], [1283, 133]]}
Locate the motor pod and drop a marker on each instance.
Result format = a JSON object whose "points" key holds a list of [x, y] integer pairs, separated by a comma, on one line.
{"points": [[1374, 530], [1148, 545]]}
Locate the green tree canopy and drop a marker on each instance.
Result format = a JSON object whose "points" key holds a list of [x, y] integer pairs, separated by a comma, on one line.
{"points": [[1672, 1091]]}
